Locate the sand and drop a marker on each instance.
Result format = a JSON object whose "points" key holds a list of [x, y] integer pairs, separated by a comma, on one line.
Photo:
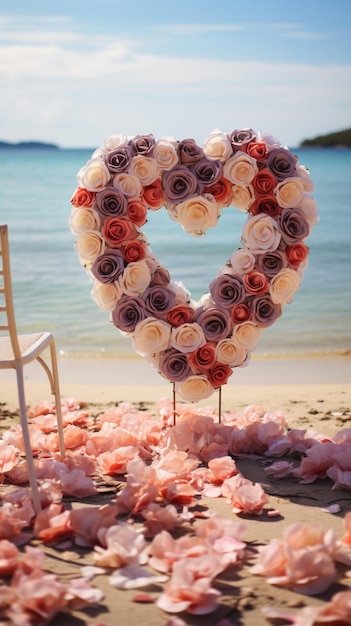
{"points": [[313, 392]]}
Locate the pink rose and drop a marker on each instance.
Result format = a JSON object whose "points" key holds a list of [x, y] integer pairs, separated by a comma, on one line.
{"points": [[255, 282], [221, 191], [137, 212], [153, 195], [203, 358], [133, 250], [83, 197], [118, 230]]}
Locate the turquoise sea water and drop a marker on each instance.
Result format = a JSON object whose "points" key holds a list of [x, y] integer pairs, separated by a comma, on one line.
{"points": [[52, 290]]}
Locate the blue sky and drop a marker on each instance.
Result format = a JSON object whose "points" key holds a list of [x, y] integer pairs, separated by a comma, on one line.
{"points": [[74, 72]]}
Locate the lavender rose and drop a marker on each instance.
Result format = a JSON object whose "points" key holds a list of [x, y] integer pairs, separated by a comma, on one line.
{"points": [[227, 290], [107, 267], [263, 310], [158, 300], [293, 225], [118, 160], [189, 151], [282, 163], [179, 184], [271, 263], [207, 172], [111, 202], [128, 313], [215, 323], [174, 365], [142, 144], [160, 276], [239, 138]]}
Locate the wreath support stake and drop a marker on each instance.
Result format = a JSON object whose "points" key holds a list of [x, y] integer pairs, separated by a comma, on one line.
{"points": [[174, 404], [219, 404]]}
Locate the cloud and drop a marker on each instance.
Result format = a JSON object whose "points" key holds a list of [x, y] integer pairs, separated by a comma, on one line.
{"points": [[303, 34]]}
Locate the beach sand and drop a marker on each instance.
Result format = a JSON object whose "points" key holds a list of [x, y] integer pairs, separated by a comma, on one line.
{"points": [[314, 393]]}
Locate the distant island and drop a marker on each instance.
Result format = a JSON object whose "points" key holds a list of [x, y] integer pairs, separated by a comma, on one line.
{"points": [[339, 139], [28, 145]]}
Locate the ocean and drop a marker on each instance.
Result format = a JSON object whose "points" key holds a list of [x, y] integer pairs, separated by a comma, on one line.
{"points": [[52, 291]]}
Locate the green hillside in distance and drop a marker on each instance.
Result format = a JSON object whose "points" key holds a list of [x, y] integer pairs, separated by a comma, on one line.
{"points": [[339, 139], [28, 145]]}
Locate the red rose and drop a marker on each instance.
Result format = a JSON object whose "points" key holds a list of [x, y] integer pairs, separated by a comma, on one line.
{"points": [[133, 250], [83, 197], [256, 149], [240, 313], [153, 195], [264, 181], [221, 191], [137, 212], [203, 358], [255, 282], [218, 374], [296, 253], [117, 230], [180, 314]]}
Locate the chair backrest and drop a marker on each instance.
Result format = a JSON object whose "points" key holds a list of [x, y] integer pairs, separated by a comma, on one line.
{"points": [[7, 313]]}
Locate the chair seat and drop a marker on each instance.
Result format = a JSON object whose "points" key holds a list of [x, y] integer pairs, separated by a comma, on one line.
{"points": [[30, 345]]}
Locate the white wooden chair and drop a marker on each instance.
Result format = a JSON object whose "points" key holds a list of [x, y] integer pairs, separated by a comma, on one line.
{"points": [[16, 351]]}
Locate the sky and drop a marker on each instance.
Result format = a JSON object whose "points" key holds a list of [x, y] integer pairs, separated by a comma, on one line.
{"points": [[74, 72]]}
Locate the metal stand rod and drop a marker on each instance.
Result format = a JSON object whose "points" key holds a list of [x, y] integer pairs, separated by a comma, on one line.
{"points": [[174, 405], [219, 404]]}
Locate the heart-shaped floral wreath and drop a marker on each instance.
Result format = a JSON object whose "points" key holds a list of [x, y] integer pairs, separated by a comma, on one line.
{"points": [[195, 345]]}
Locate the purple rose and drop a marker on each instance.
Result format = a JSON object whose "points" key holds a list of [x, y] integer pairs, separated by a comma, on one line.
{"points": [[207, 172], [227, 290], [174, 365], [142, 144], [282, 163], [118, 160], [179, 184], [263, 310], [239, 138], [271, 263], [189, 152], [107, 267], [215, 323], [128, 313], [293, 225], [158, 300], [161, 276], [111, 202]]}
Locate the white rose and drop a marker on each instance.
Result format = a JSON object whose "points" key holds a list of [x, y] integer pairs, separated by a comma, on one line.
{"points": [[242, 197], [242, 261], [165, 153], [187, 337], [129, 184], [113, 141], [305, 176], [261, 233], [151, 336], [89, 246], [83, 219], [309, 209], [198, 214], [284, 286], [94, 175], [180, 291], [217, 146], [145, 169], [240, 169], [135, 278], [106, 295], [230, 353], [247, 335], [271, 142], [290, 193], [194, 388]]}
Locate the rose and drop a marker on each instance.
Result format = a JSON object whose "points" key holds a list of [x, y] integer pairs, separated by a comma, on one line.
{"points": [[135, 278], [145, 169], [240, 169], [153, 195], [206, 171], [189, 152], [158, 300], [180, 314], [242, 260], [256, 149], [180, 183], [137, 212], [284, 286], [134, 250], [282, 163], [221, 191], [106, 295], [271, 263], [240, 313], [160, 276], [142, 144], [230, 353], [165, 153], [198, 214], [242, 197], [187, 337], [82, 197], [129, 184], [107, 267], [118, 230], [151, 336], [89, 245], [293, 225], [255, 282], [110, 202], [113, 141], [194, 388], [174, 365], [128, 313], [94, 176], [310, 211], [217, 146], [261, 233], [246, 335], [305, 176], [290, 193], [218, 374], [83, 219], [118, 160], [215, 322], [264, 182], [227, 290], [240, 138], [265, 204], [296, 253], [264, 311], [203, 358]]}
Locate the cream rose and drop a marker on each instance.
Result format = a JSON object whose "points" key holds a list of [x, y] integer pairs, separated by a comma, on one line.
{"points": [[305, 176], [242, 197], [135, 278], [261, 233], [231, 353], [217, 146], [194, 388], [165, 153], [106, 295], [89, 246], [187, 337], [114, 141], [151, 336], [290, 193], [129, 184], [240, 169], [247, 335], [94, 176], [198, 214], [242, 261], [310, 210], [284, 286], [83, 219], [145, 169]]}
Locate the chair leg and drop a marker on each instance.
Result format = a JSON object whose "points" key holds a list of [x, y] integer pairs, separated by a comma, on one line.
{"points": [[26, 439], [56, 392]]}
